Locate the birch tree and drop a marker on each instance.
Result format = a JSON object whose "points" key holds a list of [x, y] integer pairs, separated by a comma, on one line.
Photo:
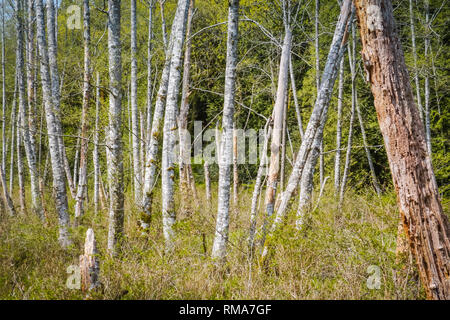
{"points": [[185, 156], [274, 165], [52, 129], [320, 109], [82, 179], [114, 142], [137, 180], [424, 221], [226, 152], [151, 153], [337, 159], [30, 149], [170, 124], [95, 155]]}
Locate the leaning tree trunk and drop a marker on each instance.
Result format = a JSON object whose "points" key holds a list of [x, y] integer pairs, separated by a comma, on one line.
{"points": [[151, 154], [226, 152], [274, 166], [114, 154], [170, 125], [320, 110], [30, 149], [134, 109], [51, 114], [424, 221], [82, 178]]}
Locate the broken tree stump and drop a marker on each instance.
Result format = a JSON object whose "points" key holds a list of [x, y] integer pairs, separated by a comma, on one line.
{"points": [[89, 264]]}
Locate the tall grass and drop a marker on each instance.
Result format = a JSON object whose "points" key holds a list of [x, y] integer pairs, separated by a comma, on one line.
{"points": [[327, 259]]}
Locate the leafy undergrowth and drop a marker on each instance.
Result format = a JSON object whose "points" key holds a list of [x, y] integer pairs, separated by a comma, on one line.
{"points": [[327, 259]]}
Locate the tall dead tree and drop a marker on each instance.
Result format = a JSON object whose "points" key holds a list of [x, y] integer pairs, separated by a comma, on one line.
{"points": [[114, 140], [226, 153], [426, 226], [278, 111]]}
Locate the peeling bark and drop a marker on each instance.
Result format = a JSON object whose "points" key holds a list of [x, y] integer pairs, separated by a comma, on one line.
{"points": [[424, 221]]}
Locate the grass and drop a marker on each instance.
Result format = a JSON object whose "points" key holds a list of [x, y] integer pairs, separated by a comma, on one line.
{"points": [[327, 259]]}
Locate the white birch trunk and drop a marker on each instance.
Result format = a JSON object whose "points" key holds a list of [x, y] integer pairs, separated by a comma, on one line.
{"points": [[51, 113], [352, 63], [134, 109], [184, 153], [151, 153], [337, 159], [170, 125], [23, 110], [82, 179], [114, 154], [320, 109], [222, 223], [95, 156]]}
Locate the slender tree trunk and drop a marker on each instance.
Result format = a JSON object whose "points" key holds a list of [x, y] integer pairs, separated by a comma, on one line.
{"points": [[149, 80], [82, 180], [427, 81], [337, 159], [235, 167], [13, 135], [424, 221], [51, 113], [95, 155], [23, 208], [24, 126], [207, 183], [114, 155], [294, 93], [258, 185], [185, 155], [414, 51], [56, 92], [316, 47], [134, 109], [375, 182], [274, 166], [3, 164], [31, 76], [320, 110], [151, 154], [170, 124], [222, 222], [352, 63]]}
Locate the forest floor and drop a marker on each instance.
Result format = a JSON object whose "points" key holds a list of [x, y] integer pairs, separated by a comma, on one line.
{"points": [[328, 259]]}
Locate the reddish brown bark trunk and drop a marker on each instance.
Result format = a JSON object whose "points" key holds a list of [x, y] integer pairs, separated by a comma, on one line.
{"points": [[425, 224]]}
